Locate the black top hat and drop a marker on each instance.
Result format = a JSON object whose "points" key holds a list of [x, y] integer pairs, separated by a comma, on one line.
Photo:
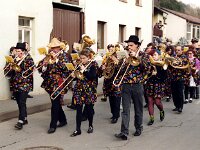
{"points": [[20, 46], [134, 39]]}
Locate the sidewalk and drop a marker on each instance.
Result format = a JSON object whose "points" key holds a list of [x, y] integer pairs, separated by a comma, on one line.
{"points": [[9, 109]]}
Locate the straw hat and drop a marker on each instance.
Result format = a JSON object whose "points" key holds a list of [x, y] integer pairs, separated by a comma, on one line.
{"points": [[55, 43]]}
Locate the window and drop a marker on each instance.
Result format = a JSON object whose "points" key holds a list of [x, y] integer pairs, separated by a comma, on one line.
{"points": [[138, 2], [194, 31], [189, 31], [125, 1], [198, 32], [100, 35], [25, 30], [138, 32], [121, 33]]}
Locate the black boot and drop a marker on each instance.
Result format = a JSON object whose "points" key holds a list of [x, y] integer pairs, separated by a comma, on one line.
{"points": [[162, 115], [151, 121]]}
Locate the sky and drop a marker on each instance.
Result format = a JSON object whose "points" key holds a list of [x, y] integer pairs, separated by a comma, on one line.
{"points": [[193, 2]]}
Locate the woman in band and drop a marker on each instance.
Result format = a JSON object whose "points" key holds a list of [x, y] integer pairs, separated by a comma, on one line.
{"points": [[155, 87], [113, 92], [168, 92], [21, 86], [53, 71], [85, 90], [193, 79]]}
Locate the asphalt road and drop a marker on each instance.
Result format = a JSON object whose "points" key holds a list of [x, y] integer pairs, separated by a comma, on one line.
{"points": [[176, 132]]}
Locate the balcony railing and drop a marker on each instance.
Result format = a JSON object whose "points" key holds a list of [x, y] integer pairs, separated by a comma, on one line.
{"points": [[157, 32]]}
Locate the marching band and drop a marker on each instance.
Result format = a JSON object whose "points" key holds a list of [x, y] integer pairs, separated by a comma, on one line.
{"points": [[157, 72]]}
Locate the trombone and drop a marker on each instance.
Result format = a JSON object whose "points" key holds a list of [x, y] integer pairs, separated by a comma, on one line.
{"points": [[49, 58], [132, 60], [78, 74]]}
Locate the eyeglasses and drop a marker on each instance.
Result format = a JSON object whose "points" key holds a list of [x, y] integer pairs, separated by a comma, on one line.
{"points": [[190, 53]]}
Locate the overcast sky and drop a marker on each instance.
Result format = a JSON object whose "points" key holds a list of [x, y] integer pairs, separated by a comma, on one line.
{"points": [[193, 2]]}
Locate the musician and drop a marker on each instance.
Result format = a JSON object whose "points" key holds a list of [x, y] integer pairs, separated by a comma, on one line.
{"points": [[28, 57], [53, 72], [168, 92], [21, 85], [194, 78], [178, 77], [85, 90], [113, 92], [155, 87], [195, 44], [132, 89], [13, 55]]}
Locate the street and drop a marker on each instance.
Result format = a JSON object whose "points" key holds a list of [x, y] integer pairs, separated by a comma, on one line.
{"points": [[176, 132]]}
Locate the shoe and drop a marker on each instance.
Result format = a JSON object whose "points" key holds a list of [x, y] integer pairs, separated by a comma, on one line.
{"points": [[61, 124], [13, 98], [146, 105], [90, 130], [114, 120], [75, 133], [190, 101], [72, 107], [112, 117], [84, 118], [168, 99], [180, 110], [51, 130], [151, 121], [175, 109], [186, 101], [25, 122], [121, 136], [162, 115], [138, 132], [29, 96], [19, 125], [104, 99]]}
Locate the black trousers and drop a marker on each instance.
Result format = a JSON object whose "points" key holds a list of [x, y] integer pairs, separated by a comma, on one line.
{"points": [[57, 113], [21, 102], [177, 88], [132, 93], [89, 108], [115, 106], [188, 90]]}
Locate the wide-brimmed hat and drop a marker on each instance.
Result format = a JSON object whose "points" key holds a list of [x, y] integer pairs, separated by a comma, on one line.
{"points": [[55, 43], [134, 39], [20, 46]]}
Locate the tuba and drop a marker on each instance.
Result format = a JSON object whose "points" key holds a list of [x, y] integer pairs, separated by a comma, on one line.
{"points": [[86, 41], [110, 65]]}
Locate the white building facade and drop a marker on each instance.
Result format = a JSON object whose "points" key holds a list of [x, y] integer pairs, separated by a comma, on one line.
{"points": [[107, 21]]}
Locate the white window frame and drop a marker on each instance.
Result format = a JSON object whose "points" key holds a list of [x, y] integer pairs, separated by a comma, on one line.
{"points": [[189, 31], [26, 28]]}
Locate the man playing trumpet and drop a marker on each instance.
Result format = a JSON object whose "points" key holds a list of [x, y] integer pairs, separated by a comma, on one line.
{"points": [[22, 86], [132, 88], [53, 71]]}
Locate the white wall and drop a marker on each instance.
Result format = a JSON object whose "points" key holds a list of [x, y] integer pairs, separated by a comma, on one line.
{"points": [[176, 27], [114, 13], [41, 11]]}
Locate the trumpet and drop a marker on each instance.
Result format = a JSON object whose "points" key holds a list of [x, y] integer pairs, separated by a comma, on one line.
{"points": [[77, 73]]}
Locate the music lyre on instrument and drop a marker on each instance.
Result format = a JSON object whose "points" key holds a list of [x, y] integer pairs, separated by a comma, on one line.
{"points": [[77, 73]]}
